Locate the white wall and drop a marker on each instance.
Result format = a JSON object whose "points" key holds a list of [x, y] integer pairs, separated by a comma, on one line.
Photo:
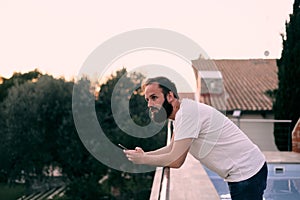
{"points": [[261, 133]]}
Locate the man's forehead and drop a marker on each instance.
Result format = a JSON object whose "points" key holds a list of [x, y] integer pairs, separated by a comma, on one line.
{"points": [[152, 88]]}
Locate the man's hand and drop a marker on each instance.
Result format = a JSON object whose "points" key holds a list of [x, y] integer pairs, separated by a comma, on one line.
{"points": [[175, 158], [136, 156]]}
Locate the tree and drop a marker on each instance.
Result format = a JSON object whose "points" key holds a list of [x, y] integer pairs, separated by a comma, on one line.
{"points": [[286, 105], [83, 171], [131, 186], [36, 113], [16, 80], [39, 134], [137, 108]]}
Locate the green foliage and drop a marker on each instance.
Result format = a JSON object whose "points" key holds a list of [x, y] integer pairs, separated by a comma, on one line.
{"points": [[16, 79], [11, 192], [133, 186], [137, 108], [85, 189], [37, 114], [286, 105], [130, 186], [38, 135]]}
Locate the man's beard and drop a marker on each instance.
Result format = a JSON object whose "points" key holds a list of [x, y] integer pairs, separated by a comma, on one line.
{"points": [[163, 113]]}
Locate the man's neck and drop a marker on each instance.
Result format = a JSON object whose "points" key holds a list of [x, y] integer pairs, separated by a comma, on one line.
{"points": [[176, 106]]}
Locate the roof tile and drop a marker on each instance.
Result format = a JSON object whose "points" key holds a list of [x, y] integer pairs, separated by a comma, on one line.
{"points": [[245, 81]]}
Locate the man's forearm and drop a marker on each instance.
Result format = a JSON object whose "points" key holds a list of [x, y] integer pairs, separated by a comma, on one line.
{"points": [[174, 155], [160, 160], [163, 150]]}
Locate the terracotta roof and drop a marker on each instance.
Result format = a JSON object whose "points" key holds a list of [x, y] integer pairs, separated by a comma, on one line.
{"points": [[187, 95], [245, 81]]}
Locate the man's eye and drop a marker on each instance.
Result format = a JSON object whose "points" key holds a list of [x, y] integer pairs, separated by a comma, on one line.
{"points": [[154, 97]]}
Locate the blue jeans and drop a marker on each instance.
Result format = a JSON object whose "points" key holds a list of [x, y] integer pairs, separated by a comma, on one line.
{"points": [[250, 189]]}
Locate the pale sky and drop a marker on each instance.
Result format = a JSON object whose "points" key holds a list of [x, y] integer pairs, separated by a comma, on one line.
{"points": [[57, 36]]}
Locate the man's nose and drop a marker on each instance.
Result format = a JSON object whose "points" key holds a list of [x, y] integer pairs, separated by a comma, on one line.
{"points": [[150, 104]]}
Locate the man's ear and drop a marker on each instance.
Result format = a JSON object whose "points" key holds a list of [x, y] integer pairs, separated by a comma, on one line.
{"points": [[170, 97]]}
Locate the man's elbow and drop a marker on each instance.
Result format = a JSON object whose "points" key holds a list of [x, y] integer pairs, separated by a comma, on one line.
{"points": [[179, 162], [176, 164]]}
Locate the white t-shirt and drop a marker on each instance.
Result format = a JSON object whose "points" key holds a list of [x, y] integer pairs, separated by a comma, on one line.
{"points": [[218, 143]]}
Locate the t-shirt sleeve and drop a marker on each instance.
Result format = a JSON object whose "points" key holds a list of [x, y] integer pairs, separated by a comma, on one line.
{"points": [[186, 124]]}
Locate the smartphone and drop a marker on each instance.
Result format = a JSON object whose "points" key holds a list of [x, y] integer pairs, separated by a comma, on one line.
{"points": [[124, 148]]}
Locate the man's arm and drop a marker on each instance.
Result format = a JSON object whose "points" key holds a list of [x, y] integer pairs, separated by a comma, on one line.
{"points": [[162, 150], [175, 158], [177, 163]]}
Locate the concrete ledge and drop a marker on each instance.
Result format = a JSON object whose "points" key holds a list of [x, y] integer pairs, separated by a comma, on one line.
{"points": [[156, 184], [191, 182], [282, 157]]}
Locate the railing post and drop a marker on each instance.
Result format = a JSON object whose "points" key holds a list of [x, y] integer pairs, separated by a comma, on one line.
{"points": [[164, 182]]}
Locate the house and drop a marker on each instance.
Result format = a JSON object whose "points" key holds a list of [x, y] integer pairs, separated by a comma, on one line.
{"points": [[240, 89], [296, 137]]}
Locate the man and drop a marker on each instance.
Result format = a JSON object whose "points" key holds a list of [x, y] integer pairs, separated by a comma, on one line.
{"points": [[208, 135]]}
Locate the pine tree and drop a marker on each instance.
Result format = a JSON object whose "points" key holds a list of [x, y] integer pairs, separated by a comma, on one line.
{"points": [[286, 105]]}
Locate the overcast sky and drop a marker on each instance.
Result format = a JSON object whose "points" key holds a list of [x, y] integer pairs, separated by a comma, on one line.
{"points": [[57, 36]]}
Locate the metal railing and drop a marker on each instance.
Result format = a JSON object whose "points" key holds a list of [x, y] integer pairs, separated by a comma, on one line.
{"points": [[161, 184], [262, 130]]}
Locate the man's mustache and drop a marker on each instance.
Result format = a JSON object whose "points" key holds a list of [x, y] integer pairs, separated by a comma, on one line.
{"points": [[153, 108]]}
